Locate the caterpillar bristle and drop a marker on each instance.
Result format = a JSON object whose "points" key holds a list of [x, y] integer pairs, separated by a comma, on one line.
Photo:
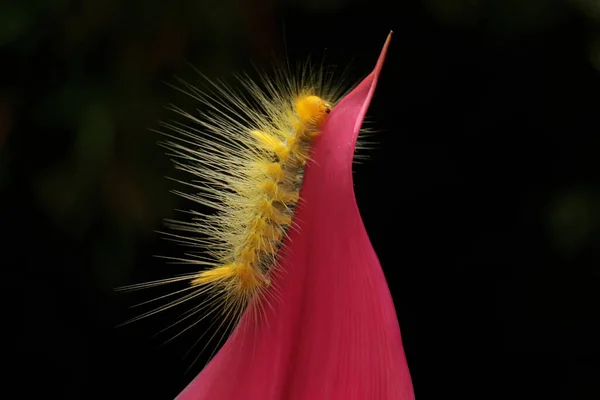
{"points": [[245, 150]]}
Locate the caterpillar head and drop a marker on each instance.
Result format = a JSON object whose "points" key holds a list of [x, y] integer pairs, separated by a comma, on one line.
{"points": [[312, 110]]}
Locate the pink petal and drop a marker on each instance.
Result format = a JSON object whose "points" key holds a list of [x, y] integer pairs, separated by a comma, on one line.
{"points": [[332, 333]]}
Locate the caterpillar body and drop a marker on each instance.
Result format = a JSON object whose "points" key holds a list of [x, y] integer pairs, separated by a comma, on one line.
{"points": [[246, 153]]}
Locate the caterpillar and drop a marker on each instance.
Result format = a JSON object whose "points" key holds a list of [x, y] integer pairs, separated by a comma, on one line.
{"points": [[245, 153]]}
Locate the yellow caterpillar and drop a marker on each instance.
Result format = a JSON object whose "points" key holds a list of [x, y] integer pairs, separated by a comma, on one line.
{"points": [[247, 154]]}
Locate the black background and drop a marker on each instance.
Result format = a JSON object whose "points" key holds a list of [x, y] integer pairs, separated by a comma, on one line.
{"points": [[482, 197]]}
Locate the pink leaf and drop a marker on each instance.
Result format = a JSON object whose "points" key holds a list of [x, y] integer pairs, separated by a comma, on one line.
{"points": [[332, 332]]}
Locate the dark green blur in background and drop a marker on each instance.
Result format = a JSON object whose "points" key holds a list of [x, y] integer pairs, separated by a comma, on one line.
{"points": [[488, 166]]}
